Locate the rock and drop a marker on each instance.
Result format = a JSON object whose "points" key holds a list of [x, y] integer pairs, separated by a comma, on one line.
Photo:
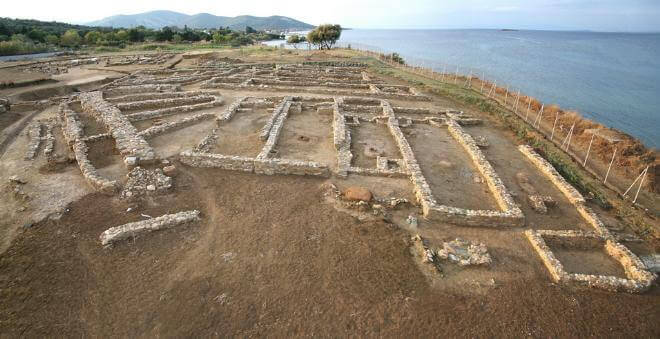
{"points": [[412, 221], [540, 203], [372, 151], [16, 180], [357, 193], [165, 162], [652, 262], [445, 163], [151, 187], [170, 170], [464, 252], [130, 161], [481, 141]]}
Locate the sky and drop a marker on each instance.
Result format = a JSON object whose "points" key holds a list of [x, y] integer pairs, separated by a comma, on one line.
{"points": [[596, 15]]}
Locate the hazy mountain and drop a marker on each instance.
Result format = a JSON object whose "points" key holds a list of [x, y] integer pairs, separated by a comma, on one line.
{"points": [[158, 19]]}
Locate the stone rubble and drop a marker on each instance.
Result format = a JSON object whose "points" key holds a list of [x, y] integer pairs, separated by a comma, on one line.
{"points": [[464, 253], [540, 203], [142, 181]]}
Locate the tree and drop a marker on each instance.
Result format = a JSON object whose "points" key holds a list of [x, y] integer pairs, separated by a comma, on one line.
{"points": [[295, 39], [176, 38], [93, 37], [52, 39], [70, 38], [136, 35], [249, 30], [218, 38], [324, 36], [122, 35]]}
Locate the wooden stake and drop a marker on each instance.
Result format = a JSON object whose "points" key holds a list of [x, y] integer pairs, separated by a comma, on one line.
{"points": [[529, 104], [553, 126], [609, 167], [456, 75], [588, 150], [492, 88], [517, 99], [567, 140], [641, 175], [539, 116]]}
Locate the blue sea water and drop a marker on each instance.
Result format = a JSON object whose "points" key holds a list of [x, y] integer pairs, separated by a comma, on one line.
{"points": [[612, 78]]}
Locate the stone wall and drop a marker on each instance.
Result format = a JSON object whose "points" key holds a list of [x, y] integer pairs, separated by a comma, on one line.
{"points": [[276, 128], [638, 279], [73, 133], [511, 216], [170, 126], [567, 189], [133, 229], [129, 90], [252, 165], [128, 141], [146, 115]]}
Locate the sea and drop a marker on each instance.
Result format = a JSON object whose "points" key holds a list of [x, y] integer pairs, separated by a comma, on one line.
{"points": [[612, 78]]}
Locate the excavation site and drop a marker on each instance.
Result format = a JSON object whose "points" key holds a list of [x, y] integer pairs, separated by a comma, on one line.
{"points": [[293, 193]]}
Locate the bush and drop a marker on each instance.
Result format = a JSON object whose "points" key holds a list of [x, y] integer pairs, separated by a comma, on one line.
{"points": [[19, 47]]}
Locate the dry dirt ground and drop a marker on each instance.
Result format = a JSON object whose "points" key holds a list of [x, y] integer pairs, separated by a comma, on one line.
{"points": [[271, 256]]}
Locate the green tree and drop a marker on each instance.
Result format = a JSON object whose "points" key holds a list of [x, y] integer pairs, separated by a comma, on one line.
{"points": [[122, 35], [20, 38], [37, 34], [176, 38], [52, 39], [70, 38], [295, 39], [324, 36], [249, 30], [93, 37], [218, 38]]}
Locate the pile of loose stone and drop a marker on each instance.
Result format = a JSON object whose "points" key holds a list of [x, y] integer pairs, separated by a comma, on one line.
{"points": [[142, 181]]}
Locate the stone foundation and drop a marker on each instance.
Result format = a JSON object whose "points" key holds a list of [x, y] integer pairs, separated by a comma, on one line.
{"points": [[133, 229], [128, 141], [638, 278], [254, 165], [569, 191]]}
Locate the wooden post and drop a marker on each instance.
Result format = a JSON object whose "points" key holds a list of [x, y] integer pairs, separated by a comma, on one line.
{"points": [[584, 164], [482, 84], [554, 125], [506, 95], [641, 183], [444, 70], [517, 99], [539, 116], [567, 140], [610, 166], [529, 104], [456, 75], [492, 88]]}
